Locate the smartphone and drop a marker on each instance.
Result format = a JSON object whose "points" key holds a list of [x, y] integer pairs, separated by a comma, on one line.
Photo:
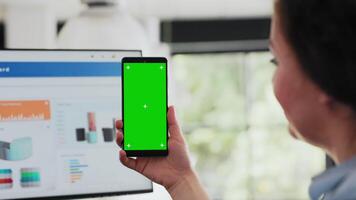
{"points": [[144, 106]]}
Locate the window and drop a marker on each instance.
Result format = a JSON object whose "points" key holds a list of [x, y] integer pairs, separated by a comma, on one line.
{"points": [[236, 130]]}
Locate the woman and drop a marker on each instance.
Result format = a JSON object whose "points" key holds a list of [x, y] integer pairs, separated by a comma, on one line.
{"points": [[315, 83]]}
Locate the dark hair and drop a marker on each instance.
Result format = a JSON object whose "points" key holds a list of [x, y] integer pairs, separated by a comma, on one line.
{"points": [[323, 35]]}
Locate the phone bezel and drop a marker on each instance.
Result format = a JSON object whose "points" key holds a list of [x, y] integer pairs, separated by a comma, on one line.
{"points": [[143, 153]]}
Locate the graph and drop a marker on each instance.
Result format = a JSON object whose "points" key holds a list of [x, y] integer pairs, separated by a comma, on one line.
{"points": [[30, 177], [92, 135], [84, 122], [5, 179], [76, 170], [33, 110]]}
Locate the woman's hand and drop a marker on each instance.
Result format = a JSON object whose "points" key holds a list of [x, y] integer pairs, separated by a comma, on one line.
{"points": [[168, 171]]}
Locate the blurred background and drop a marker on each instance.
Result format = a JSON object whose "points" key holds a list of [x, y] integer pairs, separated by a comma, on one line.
{"points": [[220, 80]]}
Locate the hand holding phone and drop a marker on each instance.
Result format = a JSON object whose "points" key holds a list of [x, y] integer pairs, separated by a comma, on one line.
{"points": [[174, 172], [143, 133], [167, 171]]}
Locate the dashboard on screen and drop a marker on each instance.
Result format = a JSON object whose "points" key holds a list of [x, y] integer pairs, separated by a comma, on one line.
{"points": [[57, 125]]}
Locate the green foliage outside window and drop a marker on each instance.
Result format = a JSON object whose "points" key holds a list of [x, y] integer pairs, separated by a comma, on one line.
{"points": [[236, 131]]}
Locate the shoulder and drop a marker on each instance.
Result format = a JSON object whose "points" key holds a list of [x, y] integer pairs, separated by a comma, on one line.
{"points": [[337, 183], [346, 189]]}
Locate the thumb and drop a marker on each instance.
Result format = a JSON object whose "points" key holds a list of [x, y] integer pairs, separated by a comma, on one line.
{"points": [[174, 130], [128, 162]]}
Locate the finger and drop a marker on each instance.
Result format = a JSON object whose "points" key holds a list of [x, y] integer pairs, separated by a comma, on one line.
{"points": [[119, 124], [173, 126], [128, 162], [119, 138]]}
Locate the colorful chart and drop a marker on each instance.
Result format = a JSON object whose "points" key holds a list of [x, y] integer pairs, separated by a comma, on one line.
{"points": [[108, 134], [6, 181], [30, 177], [76, 170], [92, 134], [24, 110]]}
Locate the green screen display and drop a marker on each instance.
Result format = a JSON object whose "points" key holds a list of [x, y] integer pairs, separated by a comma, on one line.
{"points": [[145, 106]]}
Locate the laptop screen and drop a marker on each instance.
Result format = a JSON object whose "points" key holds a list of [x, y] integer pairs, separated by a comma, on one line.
{"points": [[57, 132]]}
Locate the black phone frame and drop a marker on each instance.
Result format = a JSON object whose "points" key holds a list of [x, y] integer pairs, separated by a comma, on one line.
{"points": [[143, 153]]}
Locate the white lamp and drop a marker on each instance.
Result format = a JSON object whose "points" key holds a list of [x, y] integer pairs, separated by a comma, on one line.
{"points": [[104, 25]]}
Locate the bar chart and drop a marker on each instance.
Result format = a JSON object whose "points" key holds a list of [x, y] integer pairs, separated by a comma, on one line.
{"points": [[76, 170], [31, 110]]}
